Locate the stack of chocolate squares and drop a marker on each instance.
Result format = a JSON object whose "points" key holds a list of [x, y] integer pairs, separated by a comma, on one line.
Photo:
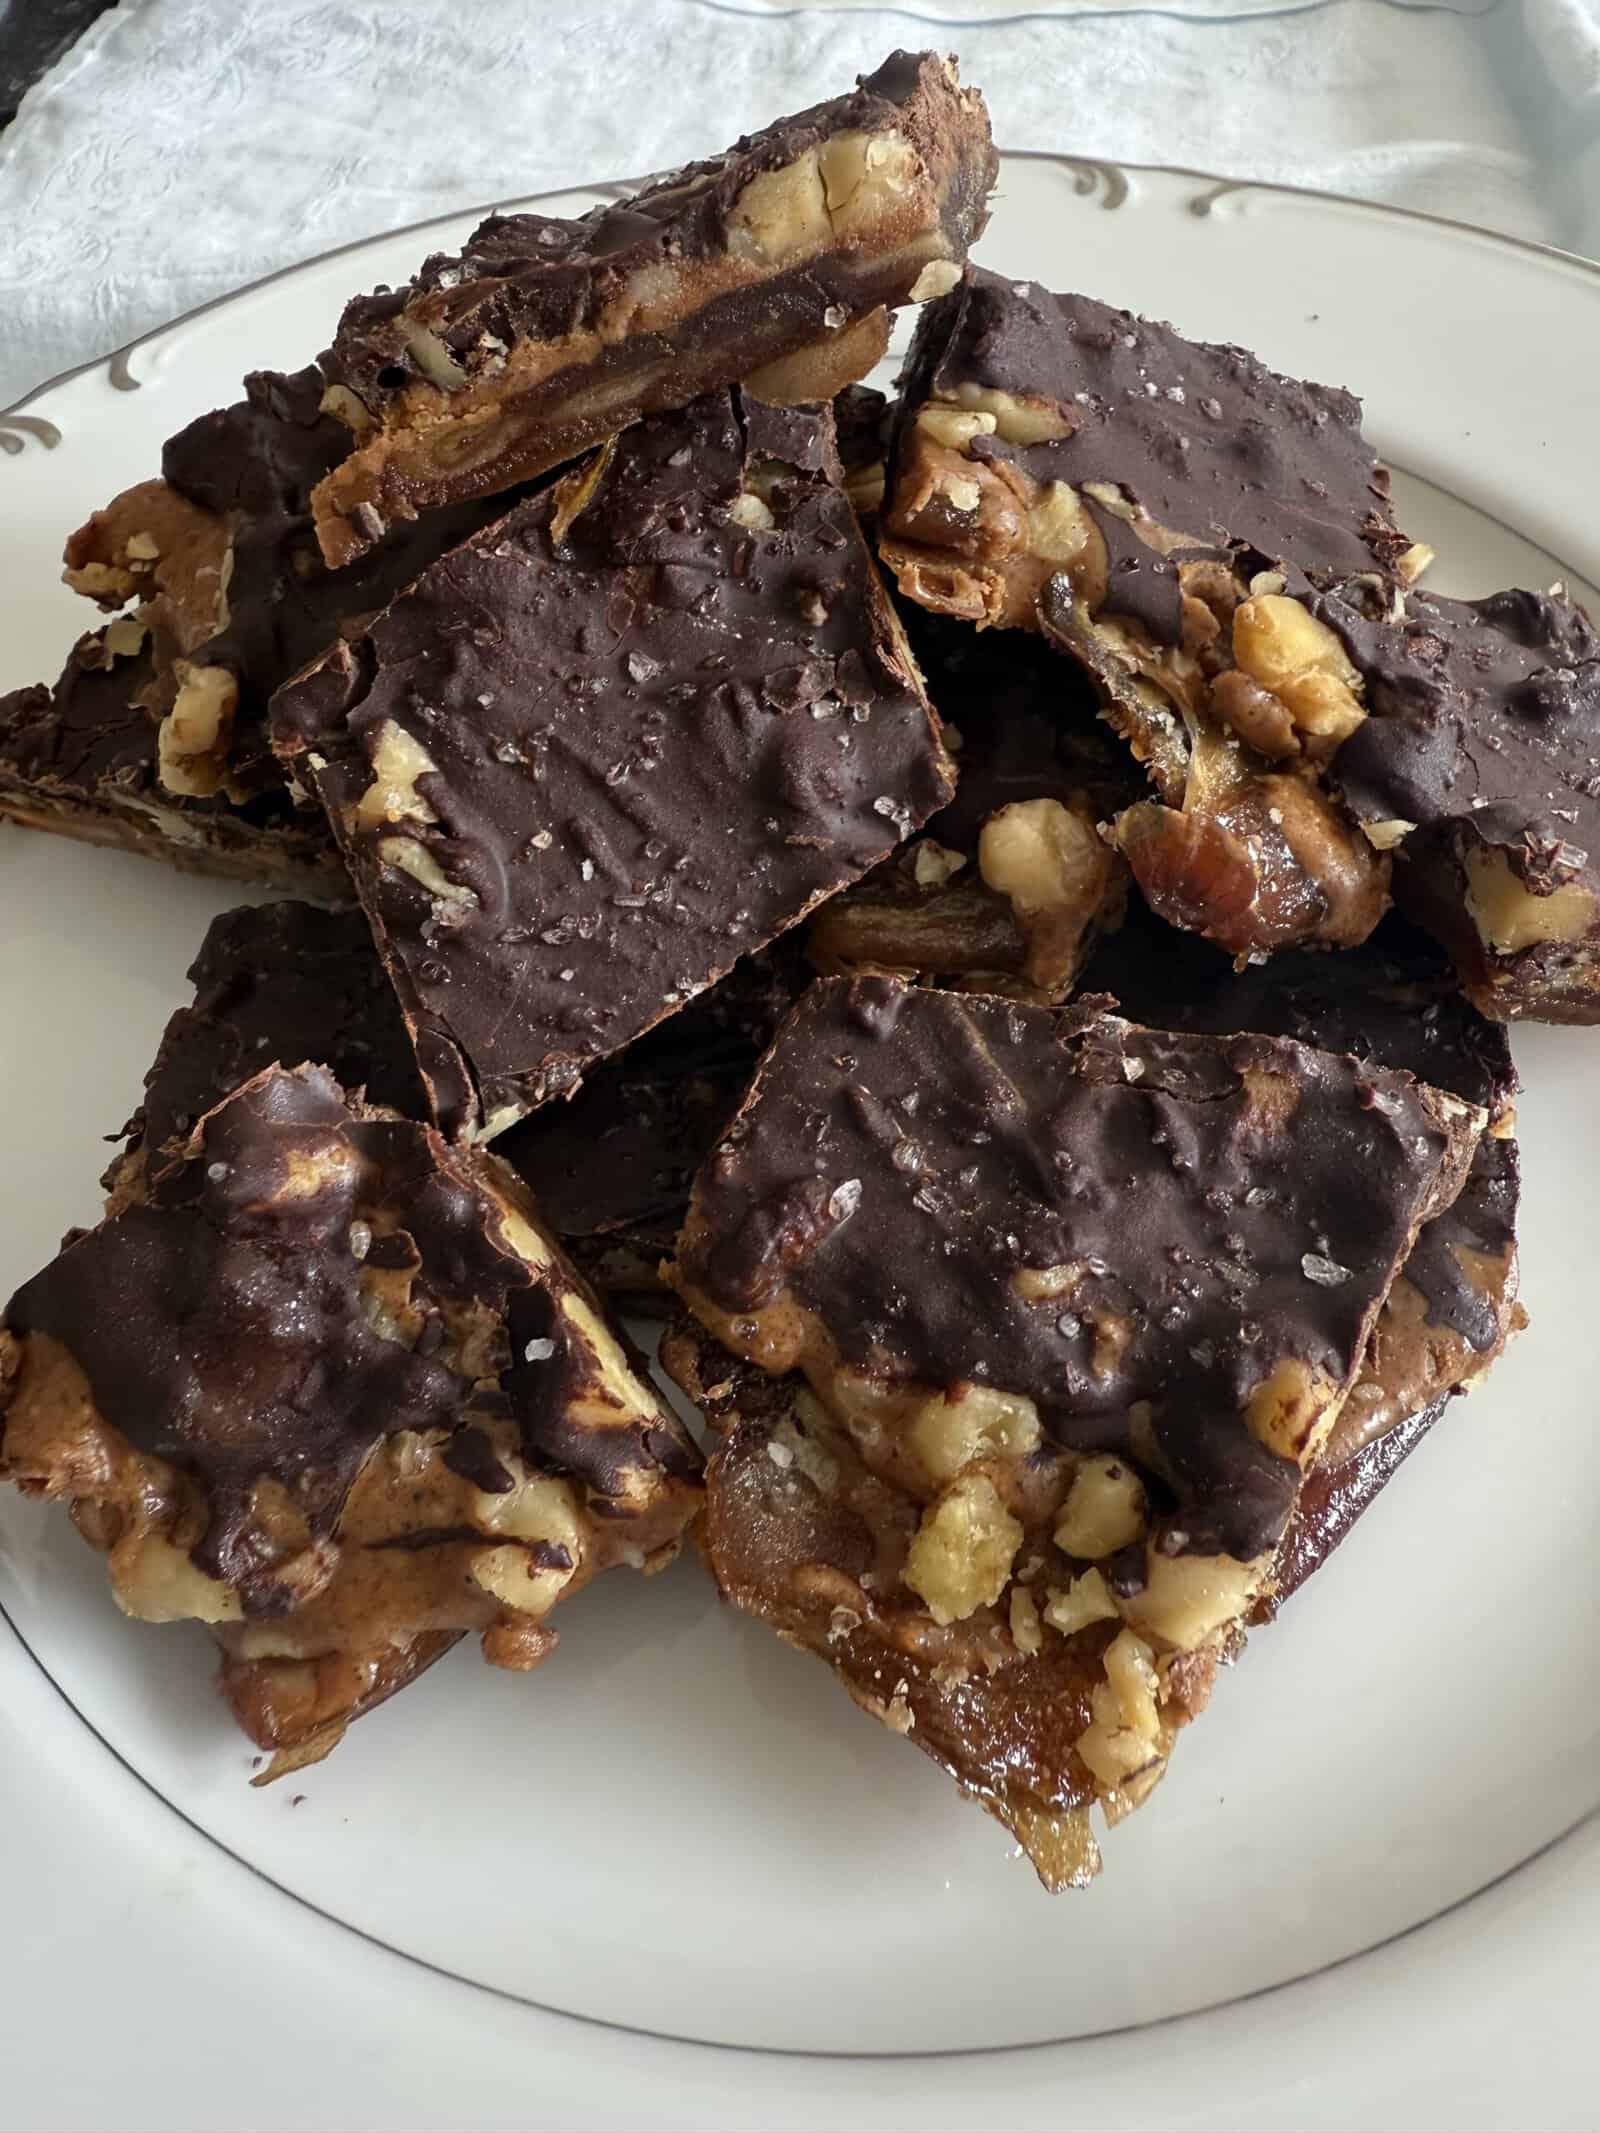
{"points": [[974, 1015]]}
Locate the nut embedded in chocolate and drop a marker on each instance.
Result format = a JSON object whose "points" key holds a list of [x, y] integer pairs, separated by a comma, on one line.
{"points": [[618, 740], [154, 738], [275, 984], [1393, 1001], [82, 760], [1047, 1282], [772, 264], [1479, 768], [1146, 502], [328, 1386], [1008, 887]]}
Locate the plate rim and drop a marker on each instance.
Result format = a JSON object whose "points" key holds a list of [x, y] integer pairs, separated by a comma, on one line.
{"points": [[1089, 172], [1090, 175], [798, 2052]]}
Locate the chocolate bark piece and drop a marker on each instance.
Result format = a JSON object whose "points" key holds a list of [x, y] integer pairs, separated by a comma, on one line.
{"points": [[232, 593], [773, 263], [330, 1387], [274, 985], [1478, 764], [1393, 1001], [618, 740], [1149, 503], [611, 1168], [1076, 1306], [1010, 886], [82, 760]]}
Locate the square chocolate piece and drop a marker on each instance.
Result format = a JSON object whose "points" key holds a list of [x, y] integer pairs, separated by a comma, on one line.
{"points": [[775, 263], [1478, 766], [613, 743], [329, 1386], [1072, 1308], [1152, 505]]}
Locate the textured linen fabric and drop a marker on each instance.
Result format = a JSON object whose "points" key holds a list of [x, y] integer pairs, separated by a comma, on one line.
{"points": [[184, 147]]}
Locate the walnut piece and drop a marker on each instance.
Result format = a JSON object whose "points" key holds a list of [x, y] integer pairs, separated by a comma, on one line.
{"points": [[1087, 1599], [1507, 914], [192, 743], [1125, 1735], [1105, 1509], [962, 1554], [1059, 878]]}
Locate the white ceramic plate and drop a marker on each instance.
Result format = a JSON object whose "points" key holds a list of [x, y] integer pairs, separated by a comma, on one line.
{"points": [[679, 1826]]}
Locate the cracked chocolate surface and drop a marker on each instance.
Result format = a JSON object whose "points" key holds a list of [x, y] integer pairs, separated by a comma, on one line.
{"points": [[1229, 1204], [1027, 721], [83, 757], [645, 722], [257, 463], [1022, 726], [579, 326], [611, 1167]]}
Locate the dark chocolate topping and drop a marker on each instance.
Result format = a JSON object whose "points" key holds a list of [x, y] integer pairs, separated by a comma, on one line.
{"points": [[256, 462], [543, 277], [656, 742], [904, 1155], [280, 984], [622, 1153], [87, 729], [222, 1325], [1028, 720], [1204, 439], [263, 455], [861, 425], [1485, 714], [261, 459], [1393, 1002], [93, 739]]}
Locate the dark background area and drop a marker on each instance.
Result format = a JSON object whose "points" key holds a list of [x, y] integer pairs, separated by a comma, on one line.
{"points": [[33, 36]]}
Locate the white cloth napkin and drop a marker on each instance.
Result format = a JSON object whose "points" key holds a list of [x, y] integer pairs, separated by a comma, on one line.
{"points": [[183, 147]]}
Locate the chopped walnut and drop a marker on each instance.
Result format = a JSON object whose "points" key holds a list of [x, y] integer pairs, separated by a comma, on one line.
{"points": [[192, 744], [1509, 916], [1060, 879], [962, 1554], [1087, 1599], [1105, 1509], [1125, 1735]]}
